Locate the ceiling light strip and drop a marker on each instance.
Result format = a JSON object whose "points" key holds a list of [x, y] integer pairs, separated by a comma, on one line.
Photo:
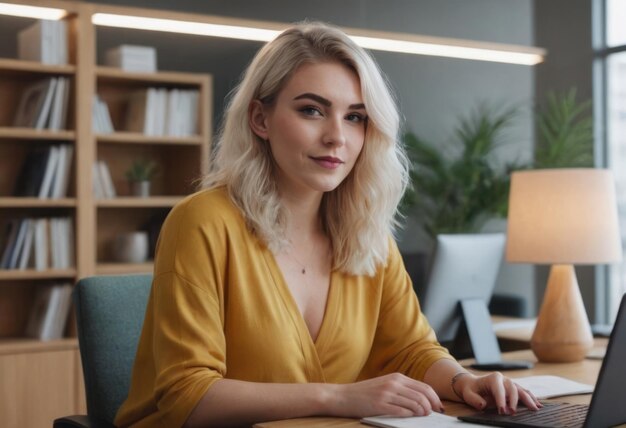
{"points": [[35, 12], [530, 56], [184, 27], [449, 51]]}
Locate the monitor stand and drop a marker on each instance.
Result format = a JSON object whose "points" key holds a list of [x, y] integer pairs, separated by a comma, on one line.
{"points": [[483, 340]]}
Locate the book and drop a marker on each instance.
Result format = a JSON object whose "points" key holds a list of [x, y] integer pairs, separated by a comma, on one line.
{"points": [[51, 166], [31, 174], [137, 111], [106, 180], [34, 104], [97, 187], [44, 113], [11, 231], [62, 172], [70, 242], [16, 250], [104, 116], [49, 313], [55, 244], [26, 253], [152, 100], [44, 41], [58, 112], [42, 248]]}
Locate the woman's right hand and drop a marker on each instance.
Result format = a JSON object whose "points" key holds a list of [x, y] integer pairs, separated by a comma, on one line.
{"points": [[393, 394]]}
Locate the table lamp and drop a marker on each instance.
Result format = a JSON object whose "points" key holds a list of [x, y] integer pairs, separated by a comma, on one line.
{"points": [[562, 217]]}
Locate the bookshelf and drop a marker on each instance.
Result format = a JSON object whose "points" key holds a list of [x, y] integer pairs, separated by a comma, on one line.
{"points": [[95, 222]]}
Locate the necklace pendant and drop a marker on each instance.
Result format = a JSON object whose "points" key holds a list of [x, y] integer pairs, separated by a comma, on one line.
{"points": [[303, 271]]}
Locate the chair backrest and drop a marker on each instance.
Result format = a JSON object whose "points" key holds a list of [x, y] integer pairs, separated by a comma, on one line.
{"points": [[109, 315]]}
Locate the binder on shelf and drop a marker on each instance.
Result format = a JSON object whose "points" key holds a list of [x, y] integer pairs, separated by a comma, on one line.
{"points": [[159, 112], [51, 166], [101, 118], [42, 248], [61, 242], [25, 255], [137, 111], [58, 112], [49, 312], [11, 233], [32, 172], [34, 106], [18, 245], [44, 41], [104, 180], [62, 172], [40, 243]]}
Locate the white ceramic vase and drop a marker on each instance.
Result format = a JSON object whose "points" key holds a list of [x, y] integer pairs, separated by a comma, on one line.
{"points": [[131, 247]]}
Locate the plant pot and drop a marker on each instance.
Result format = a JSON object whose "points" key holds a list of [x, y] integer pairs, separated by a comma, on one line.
{"points": [[131, 247], [140, 188]]}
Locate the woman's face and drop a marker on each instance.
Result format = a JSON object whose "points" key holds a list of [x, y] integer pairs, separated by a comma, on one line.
{"points": [[316, 127]]}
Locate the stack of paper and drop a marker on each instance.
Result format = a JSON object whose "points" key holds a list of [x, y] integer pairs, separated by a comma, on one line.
{"points": [[132, 58]]}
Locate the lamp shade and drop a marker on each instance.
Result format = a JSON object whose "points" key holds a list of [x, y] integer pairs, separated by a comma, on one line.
{"points": [[564, 216]]}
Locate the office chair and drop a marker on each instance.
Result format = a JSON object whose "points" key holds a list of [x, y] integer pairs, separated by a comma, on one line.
{"points": [[109, 317]]}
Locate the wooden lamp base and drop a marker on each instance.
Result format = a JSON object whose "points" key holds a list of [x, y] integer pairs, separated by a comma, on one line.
{"points": [[562, 333]]}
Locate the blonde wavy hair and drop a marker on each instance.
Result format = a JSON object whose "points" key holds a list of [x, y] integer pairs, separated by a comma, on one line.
{"points": [[359, 215]]}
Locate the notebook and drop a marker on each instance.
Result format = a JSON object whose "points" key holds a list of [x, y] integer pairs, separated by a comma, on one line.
{"points": [[607, 402]]}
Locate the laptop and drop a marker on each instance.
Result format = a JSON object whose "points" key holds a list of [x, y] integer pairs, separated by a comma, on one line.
{"points": [[606, 408]]}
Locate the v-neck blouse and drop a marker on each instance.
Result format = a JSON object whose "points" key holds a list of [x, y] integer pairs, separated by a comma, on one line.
{"points": [[219, 308]]}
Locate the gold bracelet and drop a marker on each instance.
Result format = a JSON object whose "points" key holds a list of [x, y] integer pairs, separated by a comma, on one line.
{"points": [[453, 381]]}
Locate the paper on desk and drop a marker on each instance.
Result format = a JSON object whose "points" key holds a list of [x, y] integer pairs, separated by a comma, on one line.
{"points": [[552, 386], [434, 420]]}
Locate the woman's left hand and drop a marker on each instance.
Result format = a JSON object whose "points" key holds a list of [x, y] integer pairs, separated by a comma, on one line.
{"points": [[494, 390]]}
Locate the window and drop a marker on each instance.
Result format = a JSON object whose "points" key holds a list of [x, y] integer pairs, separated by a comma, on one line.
{"points": [[612, 56]]}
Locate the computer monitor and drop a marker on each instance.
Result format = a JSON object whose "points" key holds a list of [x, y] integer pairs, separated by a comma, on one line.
{"points": [[465, 266]]}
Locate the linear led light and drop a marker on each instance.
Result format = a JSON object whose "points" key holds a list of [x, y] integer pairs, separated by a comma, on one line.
{"points": [[532, 56], [32, 11], [184, 27], [450, 51]]}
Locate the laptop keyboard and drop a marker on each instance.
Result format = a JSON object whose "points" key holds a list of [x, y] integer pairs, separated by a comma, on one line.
{"points": [[551, 415]]}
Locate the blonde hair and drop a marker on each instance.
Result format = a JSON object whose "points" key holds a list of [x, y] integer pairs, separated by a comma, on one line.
{"points": [[360, 213]]}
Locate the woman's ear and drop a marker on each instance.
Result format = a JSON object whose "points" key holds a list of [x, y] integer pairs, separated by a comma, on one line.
{"points": [[257, 118]]}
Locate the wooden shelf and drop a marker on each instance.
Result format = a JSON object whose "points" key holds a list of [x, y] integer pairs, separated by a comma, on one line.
{"points": [[123, 268], [113, 74], [8, 132], [10, 66], [19, 345], [26, 202], [135, 202], [137, 138], [27, 274], [96, 223]]}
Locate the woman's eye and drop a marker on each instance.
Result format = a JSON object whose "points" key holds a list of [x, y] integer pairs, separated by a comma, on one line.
{"points": [[356, 117], [311, 111]]}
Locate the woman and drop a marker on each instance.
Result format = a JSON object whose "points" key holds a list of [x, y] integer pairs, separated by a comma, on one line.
{"points": [[278, 292]]}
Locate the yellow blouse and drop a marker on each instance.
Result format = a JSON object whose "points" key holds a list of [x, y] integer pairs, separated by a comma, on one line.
{"points": [[220, 308]]}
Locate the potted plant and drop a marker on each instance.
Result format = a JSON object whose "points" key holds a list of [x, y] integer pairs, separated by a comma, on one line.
{"points": [[457, 190], [565, 132], [139, 175]]}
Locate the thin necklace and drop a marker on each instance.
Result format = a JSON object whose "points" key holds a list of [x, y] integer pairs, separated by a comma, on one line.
{"points": [[303, 266]]}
